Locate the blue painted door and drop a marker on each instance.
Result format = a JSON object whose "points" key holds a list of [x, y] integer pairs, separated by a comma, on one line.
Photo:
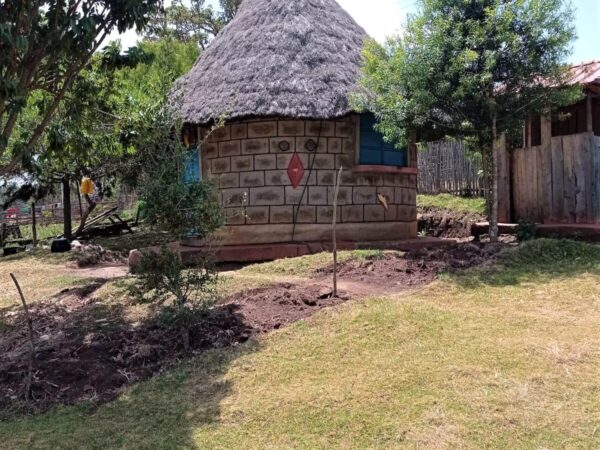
{"points": [[192, 173]]}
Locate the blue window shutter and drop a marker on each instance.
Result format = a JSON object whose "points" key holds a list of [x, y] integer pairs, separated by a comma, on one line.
{"points": [[192, 166], [373, 148]]}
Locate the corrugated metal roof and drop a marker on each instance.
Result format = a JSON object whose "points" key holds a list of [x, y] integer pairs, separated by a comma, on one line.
{"points": [[586, 73]]}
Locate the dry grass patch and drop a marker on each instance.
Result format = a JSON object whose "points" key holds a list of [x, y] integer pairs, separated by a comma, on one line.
{"points": [[40, 274]]}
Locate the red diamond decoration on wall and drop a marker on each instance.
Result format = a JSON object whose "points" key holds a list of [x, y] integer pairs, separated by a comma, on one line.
{"points": [[295, 170]]}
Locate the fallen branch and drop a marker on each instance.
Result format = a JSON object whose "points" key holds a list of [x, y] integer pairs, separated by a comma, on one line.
{"points": [[31, 341]]}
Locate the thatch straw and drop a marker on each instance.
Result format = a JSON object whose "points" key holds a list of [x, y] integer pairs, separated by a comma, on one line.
{"points": [[287, 58]]}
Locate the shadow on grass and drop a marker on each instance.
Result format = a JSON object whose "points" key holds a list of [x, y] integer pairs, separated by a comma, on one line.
{"points": [[538, 260], [88, 354], [161, 413]]}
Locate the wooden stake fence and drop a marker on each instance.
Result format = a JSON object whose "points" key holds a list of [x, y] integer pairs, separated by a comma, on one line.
{"points": [[445, 167]]}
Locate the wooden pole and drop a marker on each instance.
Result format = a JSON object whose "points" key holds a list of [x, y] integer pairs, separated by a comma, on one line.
{"points": [[590, 115], [33, 225], [494, 196], [335, 201], [79, 200], [67, 220], [29, 380]]}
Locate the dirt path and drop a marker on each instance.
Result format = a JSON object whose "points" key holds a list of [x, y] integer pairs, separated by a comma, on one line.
{"points": [[106, 271], [354, 288]]}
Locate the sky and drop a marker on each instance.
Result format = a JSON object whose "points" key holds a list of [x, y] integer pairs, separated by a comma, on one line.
{"points": [[383, 18]]}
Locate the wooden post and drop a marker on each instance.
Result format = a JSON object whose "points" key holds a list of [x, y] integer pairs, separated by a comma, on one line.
{"points": [[79, 200], [504, 181], [335, 201], [590, 114], [412, 150], [29, 379], [67, 221], [33, 225], [546, 193], [494, 197]]}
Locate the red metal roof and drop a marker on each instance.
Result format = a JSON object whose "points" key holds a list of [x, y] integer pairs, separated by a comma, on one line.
{"points": [[586, 73]]}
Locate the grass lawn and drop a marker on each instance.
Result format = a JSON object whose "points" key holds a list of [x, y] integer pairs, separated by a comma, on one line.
{"points": [[474, 205], [502, 357], [39, 273]]}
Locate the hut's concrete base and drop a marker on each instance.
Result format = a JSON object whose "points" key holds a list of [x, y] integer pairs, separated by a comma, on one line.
{"points": [[270, 252], [279, 234]]}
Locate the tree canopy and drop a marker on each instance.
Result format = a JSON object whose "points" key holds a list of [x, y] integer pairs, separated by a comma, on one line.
{"points": [[44, 44], [197, 22], [470, 69]]}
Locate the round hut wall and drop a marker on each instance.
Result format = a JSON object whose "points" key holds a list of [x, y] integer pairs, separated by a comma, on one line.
{"points": [[249, 161]]}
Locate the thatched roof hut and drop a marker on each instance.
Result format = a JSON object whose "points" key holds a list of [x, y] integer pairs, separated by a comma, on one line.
{"points": [[280, 76], [286, 58]]}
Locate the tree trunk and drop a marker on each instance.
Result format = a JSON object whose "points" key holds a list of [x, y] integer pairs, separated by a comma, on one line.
{"points": [[67, 219], [185, 337], [91, 205], [485, 165], [494, 191]]}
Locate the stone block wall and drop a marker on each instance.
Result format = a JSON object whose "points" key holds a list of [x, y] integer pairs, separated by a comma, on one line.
{"points": [[249, 161]]}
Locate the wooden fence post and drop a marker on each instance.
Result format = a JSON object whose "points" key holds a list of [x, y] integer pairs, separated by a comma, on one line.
{"points": [[504, 203], [33, 225]]}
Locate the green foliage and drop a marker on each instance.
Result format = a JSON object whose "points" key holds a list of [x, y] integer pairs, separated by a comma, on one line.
{"points": [[192, 21], [97, 123], [170, 203], [526, 230], [185, 295], [460, 64], [180, 208], [472, 70], [43, 46], [151, 81]]}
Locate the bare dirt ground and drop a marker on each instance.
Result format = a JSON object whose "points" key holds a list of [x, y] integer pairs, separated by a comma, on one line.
{"points": [[107, 271], [397, 272], [446, 223], [89, 350]]}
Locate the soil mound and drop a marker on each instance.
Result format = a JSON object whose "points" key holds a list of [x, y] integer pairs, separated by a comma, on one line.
{"points": [[86, 350], [445, 223], [400, 270]]}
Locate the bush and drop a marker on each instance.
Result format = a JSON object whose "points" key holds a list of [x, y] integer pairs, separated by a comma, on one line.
{"points": [[179, 209], [184, 295], [526, 231]]}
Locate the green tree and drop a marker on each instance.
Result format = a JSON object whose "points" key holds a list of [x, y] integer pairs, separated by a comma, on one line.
{"points": [[95, 128], [44, 44], [197, 22], [473, 69]]}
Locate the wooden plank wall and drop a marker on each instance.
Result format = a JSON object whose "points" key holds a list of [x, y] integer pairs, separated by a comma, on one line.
{"points": [[444, 167], [558, 181]]}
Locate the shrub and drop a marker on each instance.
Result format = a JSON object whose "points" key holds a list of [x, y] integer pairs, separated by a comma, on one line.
{"points": [[526, 231], [183, 294]]}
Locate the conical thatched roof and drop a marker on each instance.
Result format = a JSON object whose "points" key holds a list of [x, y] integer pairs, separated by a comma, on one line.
{"points": [[289, 58]]}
